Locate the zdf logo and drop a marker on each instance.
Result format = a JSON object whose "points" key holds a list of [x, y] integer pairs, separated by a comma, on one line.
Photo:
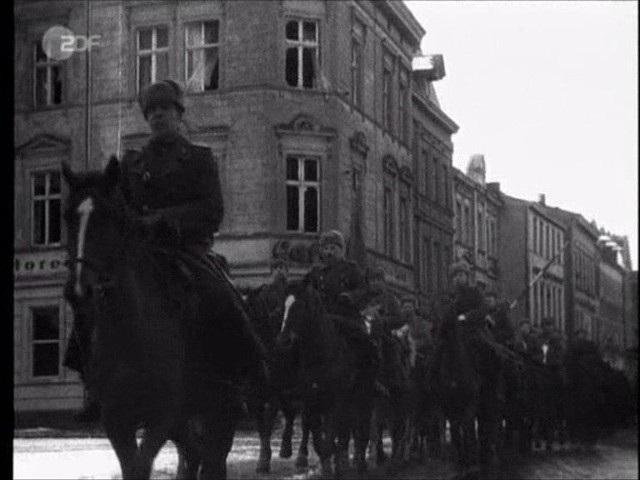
{"points": [[59, 43]]}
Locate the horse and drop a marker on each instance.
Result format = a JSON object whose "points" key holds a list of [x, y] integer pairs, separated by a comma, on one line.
{"points": [[394, 410], [138, 369], [281, 394], [333, 407]]}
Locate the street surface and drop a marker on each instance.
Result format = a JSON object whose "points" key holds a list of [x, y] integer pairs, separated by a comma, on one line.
{"points": [[93, 458]]}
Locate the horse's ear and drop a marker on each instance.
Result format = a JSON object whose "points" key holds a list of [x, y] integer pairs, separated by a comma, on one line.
{"points": [[68, 174], [112, 171]]}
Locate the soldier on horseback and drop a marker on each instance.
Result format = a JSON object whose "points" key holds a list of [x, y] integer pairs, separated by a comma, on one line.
{"points": [[499, 318], [174, 189], [340, 283]]}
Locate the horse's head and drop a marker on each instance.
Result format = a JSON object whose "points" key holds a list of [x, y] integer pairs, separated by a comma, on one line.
{"points": [[95, 218], [302, 309]]}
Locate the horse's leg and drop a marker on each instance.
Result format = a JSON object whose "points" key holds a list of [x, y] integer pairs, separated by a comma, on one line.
{"points": [[341, 424], [322, 444], [361, 438], [302, 461], [218, 440], [287, 433], [155, 436], [265, 416], [188, 454], [122, 436]]}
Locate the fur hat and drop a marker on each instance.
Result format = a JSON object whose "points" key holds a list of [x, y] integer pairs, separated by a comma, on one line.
{"points": [[332, 237], [161, 92], [460, 266]]}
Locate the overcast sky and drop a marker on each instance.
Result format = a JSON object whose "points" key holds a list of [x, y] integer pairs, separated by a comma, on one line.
{"points": [[548, 92]]}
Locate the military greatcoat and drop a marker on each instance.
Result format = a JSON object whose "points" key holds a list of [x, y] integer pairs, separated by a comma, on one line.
{"points": [[178, 180]]}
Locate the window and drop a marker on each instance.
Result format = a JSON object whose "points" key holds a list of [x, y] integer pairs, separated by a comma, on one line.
{"points": [[534, 295], [535, 235], [302, 53], [47, 79], [45, 338], [405, 253], [547, 253], [425, 165], [437, 270], [303, 194], [389, 238], [202, 66], [386, 99], [426, 264], [357, 41], [540, 238], [436, 180], [403, 131], [468, 231], [152, 56], [446, 201], [459, 231], [480, 228], [447, 262], [46, 208]]}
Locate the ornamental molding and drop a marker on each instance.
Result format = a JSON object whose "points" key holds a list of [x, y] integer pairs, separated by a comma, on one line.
{"points": [[304, 124], [44, 143], [390, 164], [358, 142]]}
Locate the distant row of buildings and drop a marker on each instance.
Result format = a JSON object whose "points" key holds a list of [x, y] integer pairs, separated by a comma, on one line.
{"points": [[321, 115], [553, 262]]}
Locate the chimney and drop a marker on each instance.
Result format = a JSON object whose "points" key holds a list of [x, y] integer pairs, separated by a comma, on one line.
{"points": [[542, 199]]}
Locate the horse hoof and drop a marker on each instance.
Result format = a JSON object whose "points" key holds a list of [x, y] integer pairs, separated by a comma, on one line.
{"points": [[263, 467], [302, 462], [285, 451]]}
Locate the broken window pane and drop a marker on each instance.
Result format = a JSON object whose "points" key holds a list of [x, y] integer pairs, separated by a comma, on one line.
{"points": [[308, 67], [311, 210], [292, 67], [292, 30], [293, 208]]}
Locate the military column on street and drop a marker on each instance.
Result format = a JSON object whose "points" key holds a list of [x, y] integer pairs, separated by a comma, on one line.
{"points": [[374, 363]]}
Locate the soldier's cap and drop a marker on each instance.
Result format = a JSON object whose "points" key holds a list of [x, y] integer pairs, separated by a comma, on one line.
{"points": [[279, 262], [375, 273], [166, 91], [460, 266], [332, 237], [408, 299]]}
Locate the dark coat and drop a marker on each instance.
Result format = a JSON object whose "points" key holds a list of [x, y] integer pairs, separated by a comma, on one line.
{"points": [[178, 180], [342, 277], [503, 329]]}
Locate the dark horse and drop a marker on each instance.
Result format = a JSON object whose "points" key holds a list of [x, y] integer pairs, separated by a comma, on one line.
{"points": [[465, 384], [281, 394], [139, 347], [334, 407]]}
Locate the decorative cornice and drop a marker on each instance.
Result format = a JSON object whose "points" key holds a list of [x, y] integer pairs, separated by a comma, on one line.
{"points": [[44, 142], [358, 142], [406, 174], [389, 164], [303, 124], [433, 111]]}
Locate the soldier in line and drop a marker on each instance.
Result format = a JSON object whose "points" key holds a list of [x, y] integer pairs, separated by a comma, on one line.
{"points": [[502, 327], [340, 283], [550, 337], [174, 187], [527, 342]]}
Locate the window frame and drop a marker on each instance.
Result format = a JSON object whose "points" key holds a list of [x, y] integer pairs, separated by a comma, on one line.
{"points": [[302, 185], [205, 46], [153, 53], [47, 64], [300, 45], [31, 309], [46, 198]]}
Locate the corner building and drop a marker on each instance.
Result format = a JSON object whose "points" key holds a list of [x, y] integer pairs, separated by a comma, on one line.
{"points": [[312, 109]]}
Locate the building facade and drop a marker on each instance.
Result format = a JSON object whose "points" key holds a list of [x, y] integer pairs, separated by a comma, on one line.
{"points": [[477, 206], [314, 111], [530, 240]]}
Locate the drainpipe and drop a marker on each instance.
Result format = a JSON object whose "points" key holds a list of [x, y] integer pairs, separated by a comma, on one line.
{"points": [[87, 5]]}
